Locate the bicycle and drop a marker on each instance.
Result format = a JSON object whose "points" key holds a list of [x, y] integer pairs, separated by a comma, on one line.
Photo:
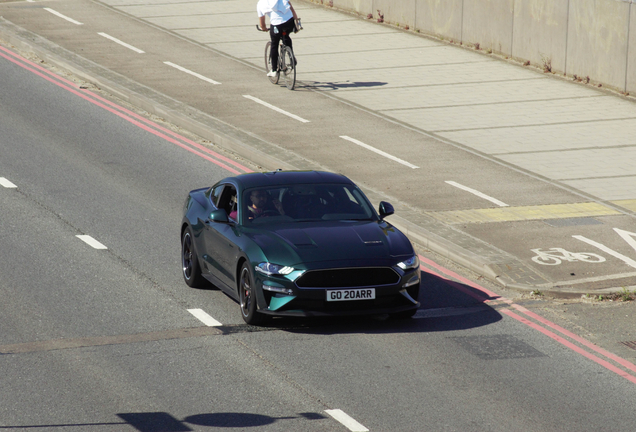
{"points": [[286, 59]]}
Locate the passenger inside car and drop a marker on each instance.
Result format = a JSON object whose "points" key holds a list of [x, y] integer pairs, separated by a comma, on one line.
{"points": [[261, 205]]}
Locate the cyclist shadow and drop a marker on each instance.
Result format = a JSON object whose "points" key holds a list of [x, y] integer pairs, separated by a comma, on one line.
{"points": [[343, 84]]}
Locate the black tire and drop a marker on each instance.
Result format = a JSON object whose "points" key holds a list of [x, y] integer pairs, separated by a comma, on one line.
{"points": [[268, 63], [288, 67], [190, 267], [247, 298]]}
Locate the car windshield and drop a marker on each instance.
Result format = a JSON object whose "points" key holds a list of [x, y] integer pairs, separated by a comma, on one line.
{"points": [[305, 202]]}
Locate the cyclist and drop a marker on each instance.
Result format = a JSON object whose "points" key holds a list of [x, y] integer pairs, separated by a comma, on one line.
{"points": [[282, 17]]}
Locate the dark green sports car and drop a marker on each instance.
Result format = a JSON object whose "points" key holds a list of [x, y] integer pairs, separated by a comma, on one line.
{"points": [[298, 243]]}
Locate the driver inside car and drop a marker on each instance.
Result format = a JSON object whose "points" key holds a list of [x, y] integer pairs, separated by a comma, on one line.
{"points": [[262, 206]]}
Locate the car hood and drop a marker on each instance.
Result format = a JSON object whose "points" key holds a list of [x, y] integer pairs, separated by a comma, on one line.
{"points": [[372, 241]]}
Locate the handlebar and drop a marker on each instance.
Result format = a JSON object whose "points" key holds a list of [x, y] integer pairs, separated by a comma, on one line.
{"points": [[299, 27]]}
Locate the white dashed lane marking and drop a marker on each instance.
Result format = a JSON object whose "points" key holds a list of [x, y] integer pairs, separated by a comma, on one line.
{"points": [[204, 317], [91, 241], [114, 39], [346, 420], [380, 152], [477, 193], [194, 74], [56, 13], [275, 108], [6, 183]]}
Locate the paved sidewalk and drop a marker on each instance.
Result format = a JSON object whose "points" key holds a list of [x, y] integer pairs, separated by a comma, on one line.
{"points": [[572, 133], [580, 138]]}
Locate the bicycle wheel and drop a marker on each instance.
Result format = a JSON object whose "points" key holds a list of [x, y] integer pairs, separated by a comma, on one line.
{"points": [[546, 260], [589, 257], [268, 63], [544, 257], [289, 67]]}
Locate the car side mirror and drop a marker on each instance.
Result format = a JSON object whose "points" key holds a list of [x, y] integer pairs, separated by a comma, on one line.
{"points": [[386, 209], [219, 216]]}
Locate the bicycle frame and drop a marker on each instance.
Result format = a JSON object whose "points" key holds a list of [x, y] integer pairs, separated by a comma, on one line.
{"points": [[286, 61]]}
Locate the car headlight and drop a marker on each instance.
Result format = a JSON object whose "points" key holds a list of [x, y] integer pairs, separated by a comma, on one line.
{"points": [[270, 269], [411, 263]]}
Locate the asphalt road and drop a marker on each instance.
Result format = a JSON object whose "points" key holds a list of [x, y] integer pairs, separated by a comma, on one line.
{"points": [[102, 339], [557, 157]]}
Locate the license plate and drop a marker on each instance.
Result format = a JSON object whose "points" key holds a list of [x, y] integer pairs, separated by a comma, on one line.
{"points": [[351, 294]]}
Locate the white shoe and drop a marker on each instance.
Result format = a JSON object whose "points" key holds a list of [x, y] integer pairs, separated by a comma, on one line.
{"points": [[272, 73]]}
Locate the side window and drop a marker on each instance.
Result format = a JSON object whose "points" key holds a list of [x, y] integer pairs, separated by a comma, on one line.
{"points": [[227, 201], [216, 193]]}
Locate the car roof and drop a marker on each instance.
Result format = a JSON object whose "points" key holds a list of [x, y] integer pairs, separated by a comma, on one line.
{"points": [[277, 178]]}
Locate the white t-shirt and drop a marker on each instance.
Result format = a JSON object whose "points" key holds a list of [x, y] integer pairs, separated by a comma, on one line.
{"points": [[279, 11]]}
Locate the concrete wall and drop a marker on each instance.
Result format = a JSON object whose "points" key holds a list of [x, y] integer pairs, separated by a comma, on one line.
{"points": [[488, 23], [362, 7], [401, 12], [440, 18], [630, 78], [587, 38], [540, 33], [597, 40]]}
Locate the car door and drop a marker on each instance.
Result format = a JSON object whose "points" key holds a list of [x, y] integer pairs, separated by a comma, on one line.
{"points": [[220, 240]]}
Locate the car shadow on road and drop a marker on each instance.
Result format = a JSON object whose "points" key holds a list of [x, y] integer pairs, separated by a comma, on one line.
{"points": [[445, 306], [166, 422], [162, 421]]}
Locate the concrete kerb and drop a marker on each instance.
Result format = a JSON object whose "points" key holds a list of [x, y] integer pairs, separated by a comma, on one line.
{"points": [[242, 143], [441, 246]]}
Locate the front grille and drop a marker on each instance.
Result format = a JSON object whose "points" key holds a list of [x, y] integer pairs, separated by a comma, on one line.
{"points": [[348, 278], [385, 302]]}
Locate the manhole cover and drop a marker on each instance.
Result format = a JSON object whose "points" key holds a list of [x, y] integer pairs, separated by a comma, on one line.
{"points": [[499, 347]]}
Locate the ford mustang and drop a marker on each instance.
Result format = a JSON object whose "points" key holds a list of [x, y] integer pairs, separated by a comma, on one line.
{"points": [[298, 243]]}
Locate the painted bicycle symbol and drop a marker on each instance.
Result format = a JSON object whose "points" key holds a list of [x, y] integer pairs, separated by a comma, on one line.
{"points": [[555, 256]]}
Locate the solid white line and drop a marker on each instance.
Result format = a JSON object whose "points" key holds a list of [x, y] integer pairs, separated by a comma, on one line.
{"points": [[54, 12], [629, 237], [380, 152], [182, 69], [295, 117], [204, 317], [107, 36], [343, 418], [479, 194], [6, 183], [91, 241], [628, 261]]}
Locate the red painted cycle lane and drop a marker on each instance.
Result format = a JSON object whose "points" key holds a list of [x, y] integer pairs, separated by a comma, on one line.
{"points": [[125, 114]]}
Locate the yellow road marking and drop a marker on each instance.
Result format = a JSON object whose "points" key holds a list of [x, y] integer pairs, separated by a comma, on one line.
{"points": [[628, 204], [524, 213]]}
